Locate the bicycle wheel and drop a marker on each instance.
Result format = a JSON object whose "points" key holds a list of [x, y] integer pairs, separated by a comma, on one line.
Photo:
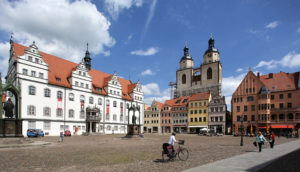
{"points": [[183, 154]]}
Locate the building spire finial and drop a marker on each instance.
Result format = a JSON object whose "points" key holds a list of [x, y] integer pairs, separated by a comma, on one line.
{"points": [[186, 43], [211, 36], [250, 68], [87, 46]]}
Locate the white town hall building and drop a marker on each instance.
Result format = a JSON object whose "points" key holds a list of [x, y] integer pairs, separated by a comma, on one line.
{"points": [[58, 95]]}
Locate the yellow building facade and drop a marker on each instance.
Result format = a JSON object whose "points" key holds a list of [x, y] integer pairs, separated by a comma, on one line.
{"points": [[198, 112]]}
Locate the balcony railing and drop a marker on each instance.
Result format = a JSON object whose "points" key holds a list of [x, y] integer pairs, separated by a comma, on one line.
{"points": [[93, 118]]}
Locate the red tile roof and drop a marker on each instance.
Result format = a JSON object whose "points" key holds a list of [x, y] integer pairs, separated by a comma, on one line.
{"points": [[280, 81], [62, 69], [200, 96], [159, 104]]}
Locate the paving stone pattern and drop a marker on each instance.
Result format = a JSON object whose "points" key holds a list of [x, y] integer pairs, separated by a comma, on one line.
{"points": [[116, 153]]}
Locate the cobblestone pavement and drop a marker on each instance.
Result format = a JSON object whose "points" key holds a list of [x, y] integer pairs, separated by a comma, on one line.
{"points": [[116, 153]]}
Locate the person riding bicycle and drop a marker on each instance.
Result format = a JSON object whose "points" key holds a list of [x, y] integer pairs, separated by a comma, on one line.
{"points": [[172, 141]]}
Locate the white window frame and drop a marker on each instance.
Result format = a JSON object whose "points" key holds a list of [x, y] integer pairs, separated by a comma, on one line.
{"points": [[71, 97], [31, 110], [59, 112], [47, 125], [47, 92], [31, 90], [47, 111], [71, 113]]}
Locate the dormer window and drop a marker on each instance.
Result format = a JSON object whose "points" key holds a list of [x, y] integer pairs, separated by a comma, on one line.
{"points": [[87, 86], [58, 79], [29, 58], [81, 84], [83, 73], [98, 89], [36, 60]]}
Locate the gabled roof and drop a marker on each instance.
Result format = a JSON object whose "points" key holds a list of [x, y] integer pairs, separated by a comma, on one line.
{"points": [[200, 96], [280, 81], [159, 104], [62, 69]]}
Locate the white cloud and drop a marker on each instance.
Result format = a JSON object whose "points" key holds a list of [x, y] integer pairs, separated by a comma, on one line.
{"points": [[152, 92], [151, 89], [149, 52], [240, 70], [128, 39], [115, 7], [147, 72], [4, 55], [150, 16], [298, 30], [59, 27], [272, 25], [229, 85], [291, 60]]}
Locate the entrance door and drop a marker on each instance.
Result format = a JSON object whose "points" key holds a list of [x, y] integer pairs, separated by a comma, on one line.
{"points": [[94, 127]]}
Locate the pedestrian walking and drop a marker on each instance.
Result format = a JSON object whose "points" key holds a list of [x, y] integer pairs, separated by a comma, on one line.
{"points": [[272, 139], [260, 139], [61, 137]]}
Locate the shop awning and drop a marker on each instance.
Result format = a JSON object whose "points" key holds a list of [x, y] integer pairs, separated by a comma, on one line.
{"points": [[198, 127]]}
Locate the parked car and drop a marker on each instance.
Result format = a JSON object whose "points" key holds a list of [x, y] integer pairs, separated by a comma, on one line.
{"points": [[40, 132], [67, 133], [32, 133], [35, 133]]}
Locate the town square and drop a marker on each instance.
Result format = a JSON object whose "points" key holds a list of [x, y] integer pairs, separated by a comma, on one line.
{"points": [[149, 85]]}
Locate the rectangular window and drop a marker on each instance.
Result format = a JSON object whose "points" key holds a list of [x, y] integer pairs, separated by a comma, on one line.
{"points": [[204, 119], [200, 119], [245, 117], [281, 105], [238, 118], [59, 113], [272, 106], [289, 95], [62, 127], [212, 109], [36, 60], [33, 73], [81, 114], [196, 119], [289, 105], [191, 104], [241, 99], [216, 109], [29, 58], [245, 108], [87, 86], [47, 92], [234, 100], [71, 113], [246, 90], [191, 111], [272, 97], [253, 90], [47, 126], [221, 118], [41, 75], [31, 110], [281, 96], [99, 101], [238, 108], [31, 90], [196, 111], [217, 119], [115, 103], [191, 119], [204, 103], [204, 111], [221, 109], [81, 84], [25, 72], [252, 107], [47, 111], [114, 117], [76, 83], [252, 118], [59, 94], [31, 125]]}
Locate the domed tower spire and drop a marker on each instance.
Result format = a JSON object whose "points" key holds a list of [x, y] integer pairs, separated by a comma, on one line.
{"points": [[211, 54], [87, 59]]}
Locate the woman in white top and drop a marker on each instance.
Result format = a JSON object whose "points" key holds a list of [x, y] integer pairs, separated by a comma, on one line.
{"points": [[172, 140]]}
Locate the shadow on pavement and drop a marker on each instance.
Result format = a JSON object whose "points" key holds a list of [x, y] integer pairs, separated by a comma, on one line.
{"points": [[286, 163]]}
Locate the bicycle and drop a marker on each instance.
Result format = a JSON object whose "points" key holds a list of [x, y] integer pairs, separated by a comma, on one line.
{"points": [[183, 153]]}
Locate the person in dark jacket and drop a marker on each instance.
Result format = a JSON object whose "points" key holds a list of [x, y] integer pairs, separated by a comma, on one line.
{"points": [[272, 139]]}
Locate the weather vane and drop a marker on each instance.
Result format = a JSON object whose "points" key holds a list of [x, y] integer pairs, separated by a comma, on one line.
{"points": [[185, 43]]}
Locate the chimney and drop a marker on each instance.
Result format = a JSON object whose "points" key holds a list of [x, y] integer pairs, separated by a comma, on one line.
{"points": [[270, 75], [258, 75]]}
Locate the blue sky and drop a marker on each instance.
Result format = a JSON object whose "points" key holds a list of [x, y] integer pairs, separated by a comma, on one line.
{"points": [[144, 39]]}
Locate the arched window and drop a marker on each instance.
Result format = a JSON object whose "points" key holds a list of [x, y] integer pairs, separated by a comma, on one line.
{"points": [[82, 98], [59, 94], [91, 100], [183, 79], [71, 96], [209, 73], [47, 92]]}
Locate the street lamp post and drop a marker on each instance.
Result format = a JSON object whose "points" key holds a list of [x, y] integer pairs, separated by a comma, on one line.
{"points": [[242, 134]]}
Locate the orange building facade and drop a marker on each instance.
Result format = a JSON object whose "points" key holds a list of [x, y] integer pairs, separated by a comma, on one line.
{"points": [[267, 102]]}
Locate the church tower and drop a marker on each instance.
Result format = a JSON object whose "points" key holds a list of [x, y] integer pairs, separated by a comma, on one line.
{"points": [[87, 59], [211, 69], [184, 73]]}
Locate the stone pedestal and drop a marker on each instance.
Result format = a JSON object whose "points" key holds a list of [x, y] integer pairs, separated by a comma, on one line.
{"points": [[11, 127], [133, 130]]}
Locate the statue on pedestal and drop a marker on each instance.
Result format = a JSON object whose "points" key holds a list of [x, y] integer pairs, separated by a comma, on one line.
{"points": [[8, 108]]}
